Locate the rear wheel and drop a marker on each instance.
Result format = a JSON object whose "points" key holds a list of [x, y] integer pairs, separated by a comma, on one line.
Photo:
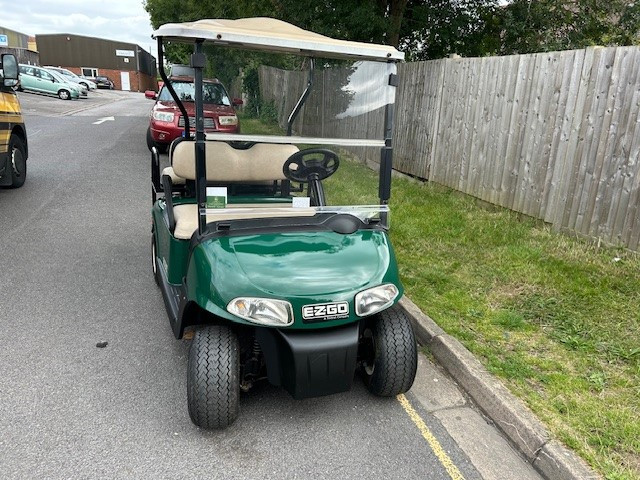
{"points": [[18, 161], [64, 94], [213, 373], [390, 354]]}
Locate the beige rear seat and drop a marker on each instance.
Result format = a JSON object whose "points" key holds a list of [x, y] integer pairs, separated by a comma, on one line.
{"points": [[262, 162], [259, 163]]}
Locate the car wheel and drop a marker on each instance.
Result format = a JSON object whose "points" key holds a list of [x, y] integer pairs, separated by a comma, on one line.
{"points": [[213, 372], [161, 147], [389, 353], [154, 254], [85, 85], [18, 162], [64, 94]]}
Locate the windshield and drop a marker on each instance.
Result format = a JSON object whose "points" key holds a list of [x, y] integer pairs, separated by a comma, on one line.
{"points": [[212, 93], [60, 78], [68, 73]]}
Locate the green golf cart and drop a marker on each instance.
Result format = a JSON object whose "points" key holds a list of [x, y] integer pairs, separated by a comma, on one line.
{"points": [[272, 280]]}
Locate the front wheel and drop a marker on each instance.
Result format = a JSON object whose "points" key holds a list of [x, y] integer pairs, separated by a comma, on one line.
{"points": [[18, 161], [390, 353], [64, 95], [161, 147], [213, 377]]}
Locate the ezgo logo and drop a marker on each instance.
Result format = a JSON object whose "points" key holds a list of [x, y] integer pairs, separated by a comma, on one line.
{"points": [[325, 311]]}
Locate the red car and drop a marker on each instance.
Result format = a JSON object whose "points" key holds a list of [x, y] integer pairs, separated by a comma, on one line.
{"points": [[166, 122]]}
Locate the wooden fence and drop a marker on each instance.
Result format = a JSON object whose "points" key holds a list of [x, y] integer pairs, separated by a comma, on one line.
{"points": [[552, 135]]}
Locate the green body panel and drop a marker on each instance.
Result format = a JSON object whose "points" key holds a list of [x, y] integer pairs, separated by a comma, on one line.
{"points": [[300, 267]]}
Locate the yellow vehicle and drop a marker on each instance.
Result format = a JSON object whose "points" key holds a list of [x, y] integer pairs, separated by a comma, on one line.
{"points": [[13, 135]]}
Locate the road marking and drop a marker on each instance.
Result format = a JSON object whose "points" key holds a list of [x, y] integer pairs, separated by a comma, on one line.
{"points": [[104, 119], [433, 442]]}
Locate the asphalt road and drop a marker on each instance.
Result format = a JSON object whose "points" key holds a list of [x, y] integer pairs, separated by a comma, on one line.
{"points": [[76, 270]]}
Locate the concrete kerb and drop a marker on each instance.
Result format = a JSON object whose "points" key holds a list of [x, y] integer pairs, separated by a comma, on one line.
{"points": [[510, 415]]}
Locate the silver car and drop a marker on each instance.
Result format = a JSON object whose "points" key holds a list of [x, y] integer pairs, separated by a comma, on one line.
{"points": [[70, 76]]}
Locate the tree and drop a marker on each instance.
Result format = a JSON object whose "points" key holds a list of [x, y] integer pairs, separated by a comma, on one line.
{"points": [[547, 25], [423, 28], [435, 29]]}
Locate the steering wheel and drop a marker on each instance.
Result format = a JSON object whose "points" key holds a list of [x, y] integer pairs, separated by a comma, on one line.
{"points": [[311, 164]]}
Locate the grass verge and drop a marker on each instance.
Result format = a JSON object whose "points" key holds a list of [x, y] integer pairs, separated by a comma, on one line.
{"points": [[556, 318]]}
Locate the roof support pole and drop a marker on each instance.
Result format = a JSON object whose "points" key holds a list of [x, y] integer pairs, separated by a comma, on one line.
{"points": [[386, 157], [198, 62]]}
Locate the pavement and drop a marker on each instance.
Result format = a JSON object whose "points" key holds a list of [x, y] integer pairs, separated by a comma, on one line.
{"points": [[549, 457], [74, 242]]}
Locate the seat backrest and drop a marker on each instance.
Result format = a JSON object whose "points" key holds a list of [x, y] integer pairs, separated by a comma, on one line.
{"points": [[259, 163]]}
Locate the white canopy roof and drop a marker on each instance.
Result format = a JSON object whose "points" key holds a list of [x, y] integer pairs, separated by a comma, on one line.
{"points": [[269, 34]]}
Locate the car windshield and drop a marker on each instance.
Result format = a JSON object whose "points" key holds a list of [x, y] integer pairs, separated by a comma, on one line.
{"points": [[212, 93], [58, 76], [68, 73]]}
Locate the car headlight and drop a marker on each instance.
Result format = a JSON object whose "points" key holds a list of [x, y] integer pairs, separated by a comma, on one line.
{"points": [[375, 299], [227, 120], [163, 116], [264, 311]]}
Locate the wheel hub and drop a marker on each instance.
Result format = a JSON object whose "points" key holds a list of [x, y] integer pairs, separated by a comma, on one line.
{"points": [[16, 158]]}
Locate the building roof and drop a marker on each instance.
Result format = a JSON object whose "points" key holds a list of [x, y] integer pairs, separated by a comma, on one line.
{"points": [[269, 34]]}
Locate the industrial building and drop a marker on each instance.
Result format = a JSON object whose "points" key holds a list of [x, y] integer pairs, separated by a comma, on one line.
{"points": [[21, 45], [126, 64]]}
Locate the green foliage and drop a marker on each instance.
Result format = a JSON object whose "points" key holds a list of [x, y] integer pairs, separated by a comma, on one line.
{"points": [[548, 25], [423, 29], [465, 27]]}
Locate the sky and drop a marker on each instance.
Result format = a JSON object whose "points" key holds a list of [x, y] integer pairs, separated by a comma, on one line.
{"points": [[123, 20]]}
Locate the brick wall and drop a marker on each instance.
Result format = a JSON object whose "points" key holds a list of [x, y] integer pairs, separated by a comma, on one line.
{"points": [[138, 80]]}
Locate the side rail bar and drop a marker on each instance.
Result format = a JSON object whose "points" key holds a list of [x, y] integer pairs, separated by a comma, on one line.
{"points": [[301, 100], [156, 187]]}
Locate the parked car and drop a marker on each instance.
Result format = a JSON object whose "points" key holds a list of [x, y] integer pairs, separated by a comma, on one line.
{"points": [[104, 82], [73, 77], [166, 122], [38, 79], [83, 90], [13, 134]]}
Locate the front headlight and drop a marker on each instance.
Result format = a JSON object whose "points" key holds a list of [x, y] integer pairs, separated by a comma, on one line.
{"points": [[163, 116], [227, 120], [264, 311], [375, 299]]}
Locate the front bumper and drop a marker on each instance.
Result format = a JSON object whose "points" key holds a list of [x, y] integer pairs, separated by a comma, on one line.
{"points": [[310, 363]]}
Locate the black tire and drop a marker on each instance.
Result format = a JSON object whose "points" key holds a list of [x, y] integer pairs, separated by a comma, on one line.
{"points": [[390, 353], [18, 161], [161, 147], [154, 254], [213, 377], [86, 85], [64, 94]]}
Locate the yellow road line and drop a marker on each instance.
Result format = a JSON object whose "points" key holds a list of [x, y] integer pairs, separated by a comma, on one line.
{"points": [[439, 452]]}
